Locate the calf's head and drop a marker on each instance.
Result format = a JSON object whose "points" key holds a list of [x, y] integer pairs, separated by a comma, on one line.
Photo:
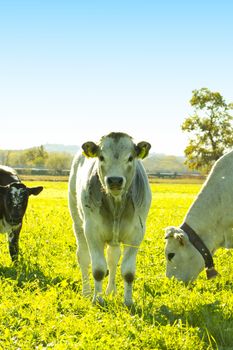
{"points": [[15, 199], [116, 160], [183, 261]]}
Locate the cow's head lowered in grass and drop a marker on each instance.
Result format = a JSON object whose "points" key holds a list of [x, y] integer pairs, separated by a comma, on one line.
{"points": [[15, 199], [184, 262], [116, 155]]}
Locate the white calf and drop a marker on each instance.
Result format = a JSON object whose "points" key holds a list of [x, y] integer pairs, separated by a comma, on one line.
{"points": [[109, 199]]}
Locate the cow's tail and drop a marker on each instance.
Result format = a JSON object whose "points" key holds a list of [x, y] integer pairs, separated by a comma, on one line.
{"points": [[72, 186]]}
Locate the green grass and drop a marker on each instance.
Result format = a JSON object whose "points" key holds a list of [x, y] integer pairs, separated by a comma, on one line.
{"points": [[41, 306]]}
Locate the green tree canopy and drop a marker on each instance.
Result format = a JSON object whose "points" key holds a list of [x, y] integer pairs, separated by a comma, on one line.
{"points": [[36, 156], [59, 161], [210, 129]]}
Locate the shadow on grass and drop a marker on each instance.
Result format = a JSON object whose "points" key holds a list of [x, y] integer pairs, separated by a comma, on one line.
{"points": [[25, 274], [215, 327]]}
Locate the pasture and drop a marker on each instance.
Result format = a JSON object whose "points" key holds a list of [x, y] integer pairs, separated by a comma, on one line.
{"points": [[42, 306]]}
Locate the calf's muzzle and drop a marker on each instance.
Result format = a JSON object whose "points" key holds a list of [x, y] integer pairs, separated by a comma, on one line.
{"points": [[115, 182]]}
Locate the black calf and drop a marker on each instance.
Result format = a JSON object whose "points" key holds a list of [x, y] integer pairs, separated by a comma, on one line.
{"points": [[13, 204]]}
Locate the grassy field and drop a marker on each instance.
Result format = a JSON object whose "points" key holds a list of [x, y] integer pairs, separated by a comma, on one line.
{"points": [[42, 307]]}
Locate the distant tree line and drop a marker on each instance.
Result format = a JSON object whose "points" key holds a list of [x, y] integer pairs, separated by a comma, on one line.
{"points": [[36, 157]]}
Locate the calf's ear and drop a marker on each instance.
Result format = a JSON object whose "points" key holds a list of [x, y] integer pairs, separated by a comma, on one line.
{"points": [[176, 233], [169, 232], [34, 190], [180, 238], [90, 149], [142, 149]]}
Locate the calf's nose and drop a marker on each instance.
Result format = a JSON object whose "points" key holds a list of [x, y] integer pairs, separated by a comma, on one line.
{"points": [[115, 181]]}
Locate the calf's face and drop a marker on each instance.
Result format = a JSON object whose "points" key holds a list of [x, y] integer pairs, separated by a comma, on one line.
{"points": [[183, 261], [15, 199], [116, 155]]}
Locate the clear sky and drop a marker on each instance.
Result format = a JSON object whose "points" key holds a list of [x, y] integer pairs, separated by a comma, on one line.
{"points": [[74, 70]]}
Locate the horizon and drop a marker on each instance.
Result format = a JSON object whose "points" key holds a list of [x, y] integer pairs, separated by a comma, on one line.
{"points": [[151, 152], [75, 71]]}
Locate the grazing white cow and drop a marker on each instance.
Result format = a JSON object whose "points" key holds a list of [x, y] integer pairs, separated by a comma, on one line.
{"points": [[109, 199], [207, 226]]}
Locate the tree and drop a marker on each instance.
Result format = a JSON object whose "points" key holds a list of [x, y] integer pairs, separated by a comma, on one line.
{"points": [[36, 156], [59, 161], [210, 128], [4, 157]]}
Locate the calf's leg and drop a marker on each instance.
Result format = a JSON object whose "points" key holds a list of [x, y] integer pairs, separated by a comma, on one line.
{"points": [[113, 256], [13, 242], [128, 268], [99, 268], [83, 257]]}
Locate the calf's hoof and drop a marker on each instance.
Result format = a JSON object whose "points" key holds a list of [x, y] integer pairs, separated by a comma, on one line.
{"points": [[86, 289], [86, 293], [99, 301], [128, 303], [130, 306], [111, 289]]}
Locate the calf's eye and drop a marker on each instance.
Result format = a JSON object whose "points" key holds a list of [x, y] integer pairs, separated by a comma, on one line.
{"points": [[101, 158], [130, 158], [170, 256]]}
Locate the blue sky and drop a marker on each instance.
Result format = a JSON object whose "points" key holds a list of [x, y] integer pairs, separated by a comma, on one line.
{"points": [[72, 71]]}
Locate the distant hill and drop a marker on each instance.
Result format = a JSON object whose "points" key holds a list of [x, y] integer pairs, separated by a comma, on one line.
{"points": [[72, 149], [164, 163]]}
